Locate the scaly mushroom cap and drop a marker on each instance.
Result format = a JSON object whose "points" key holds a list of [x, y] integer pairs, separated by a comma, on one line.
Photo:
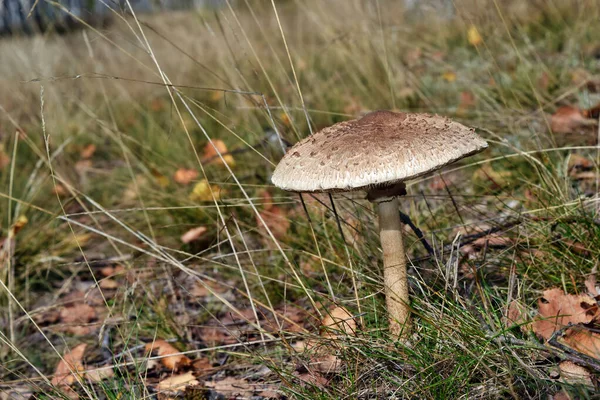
{"points": [[383, 147]]}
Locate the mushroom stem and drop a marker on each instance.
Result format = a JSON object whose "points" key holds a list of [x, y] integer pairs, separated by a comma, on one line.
{"points": [[394, 267]]}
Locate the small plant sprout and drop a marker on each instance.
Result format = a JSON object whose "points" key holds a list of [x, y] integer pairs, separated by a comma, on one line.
{"points": [[377, 154]]}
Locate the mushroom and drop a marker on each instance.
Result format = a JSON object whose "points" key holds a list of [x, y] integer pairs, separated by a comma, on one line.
{"points": [[377, 154]]}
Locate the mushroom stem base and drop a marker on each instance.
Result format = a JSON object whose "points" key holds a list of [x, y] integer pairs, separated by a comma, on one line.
{"points": [[394, 267]]}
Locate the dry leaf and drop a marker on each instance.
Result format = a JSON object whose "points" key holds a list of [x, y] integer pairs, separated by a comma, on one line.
{"points": [[558, 309], [467, 101], [575, 374], [232, 387], [576, 247], [211, 156], [108, 284], [568, 119], [4, 158], [193, 234], [161, 179], [590, 283], [170, 355], [338, 321], [277, 221], [77, 317], [516, 315], [583, 341], [579, 165], [449, 76], [178, 382], [184, 176], [202, 191], [72, 361], [88, 151], [474, 36], [99, 374], [493, 240]]}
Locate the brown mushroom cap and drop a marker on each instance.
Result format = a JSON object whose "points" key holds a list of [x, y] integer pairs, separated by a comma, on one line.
{"points": [[383, 147]]}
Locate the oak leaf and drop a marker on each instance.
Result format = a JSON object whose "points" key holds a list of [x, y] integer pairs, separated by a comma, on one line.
{"points": [[170, 356]]}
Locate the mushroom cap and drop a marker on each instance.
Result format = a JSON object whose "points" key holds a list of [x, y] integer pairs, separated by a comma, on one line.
{"points": [[382, 147]]}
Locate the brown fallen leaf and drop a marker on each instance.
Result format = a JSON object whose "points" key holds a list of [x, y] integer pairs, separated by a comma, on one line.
{"points": [[568, 119], [178, 382], [170, 356], [493, 240], [575, 374], [77, 317], [69, 366], [590, 283], [108, 284], [184, 176], [277, 221], [516, 315], [99, 374], [583, 340], [193, 234], [232, 387], [576, 247], [4, 158], [338, 322], [211, 156], [88, 151], [558, 309]]}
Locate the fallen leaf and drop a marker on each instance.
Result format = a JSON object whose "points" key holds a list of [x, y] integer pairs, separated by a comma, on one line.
{"points": [[575, 374], [568, 119], [285, 119], [592, 112], [232, 387], [161, 179], [516, 315], [474, 36], [558, 309], [178, 382], [77, 317], [449, 76], [338, 321], [59, 190], [200, 290], [590, 283], [184, 176], [88, 151], [202, 191], [71, 361], [157, 104], [583, 341], [211, 153], [578, 164], [467, 101], [266, 199], [170, 356], [576, 247], [276, 220], [108, 284], [493, 240], [99, 374], [217, 95], [193, 234], [82, 166], [4, 158]]}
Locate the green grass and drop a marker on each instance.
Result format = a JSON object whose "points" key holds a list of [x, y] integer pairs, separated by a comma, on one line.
{"points": [[348, 58]]}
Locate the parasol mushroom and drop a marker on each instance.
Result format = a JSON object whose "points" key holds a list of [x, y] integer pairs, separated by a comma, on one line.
{"points": [[377, 154]]}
